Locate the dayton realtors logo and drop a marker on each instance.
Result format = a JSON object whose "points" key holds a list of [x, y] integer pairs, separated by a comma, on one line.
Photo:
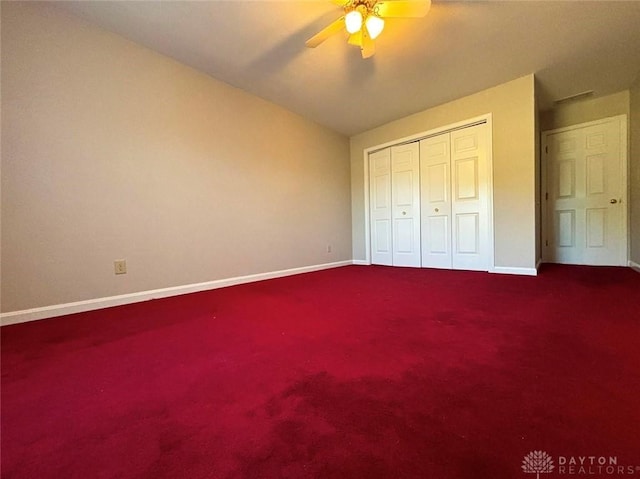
{"points": [[539, 462]]}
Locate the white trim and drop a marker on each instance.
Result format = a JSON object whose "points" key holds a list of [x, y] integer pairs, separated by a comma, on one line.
{"points": [[492, 241], [436, 131], [538, 263], [519, 271], [544, 191], [488, 120], [35, 314], [624, 153], [367, 213], [634, 266], [585, 125], [361, 262]]}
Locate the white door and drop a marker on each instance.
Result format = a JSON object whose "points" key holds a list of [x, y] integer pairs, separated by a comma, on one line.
{"points": [[380, 199], [470, 201], [455, 200], [405, 198], [435, 179], [586, 190]]}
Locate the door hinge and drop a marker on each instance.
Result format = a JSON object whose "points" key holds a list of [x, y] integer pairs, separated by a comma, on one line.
{"points": [[546, 195], [546, 243], [546, 149]]}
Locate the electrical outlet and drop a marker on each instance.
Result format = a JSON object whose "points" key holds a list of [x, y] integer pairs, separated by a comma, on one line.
{"points": [[328, 248], [120, 266]]}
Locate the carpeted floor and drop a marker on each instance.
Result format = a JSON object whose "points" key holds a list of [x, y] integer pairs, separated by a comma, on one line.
{"points": [[357, 372]]}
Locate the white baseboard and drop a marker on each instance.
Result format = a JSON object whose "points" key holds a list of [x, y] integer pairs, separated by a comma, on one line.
{"points": [[634, 266], [519, 271], [360, 262], [35, 314]]}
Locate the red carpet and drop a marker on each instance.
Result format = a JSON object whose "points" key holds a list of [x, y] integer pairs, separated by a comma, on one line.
{"points": [[357, 372]]}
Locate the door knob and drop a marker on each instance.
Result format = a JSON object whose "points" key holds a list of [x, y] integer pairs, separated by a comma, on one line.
{"points": [[437, 210], [613, 201], [404, 212]]}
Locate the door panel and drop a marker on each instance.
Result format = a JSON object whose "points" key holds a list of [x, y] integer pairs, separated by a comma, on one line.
{"points": [[467, 233], [465, 143], [403, 236], [437, 179], [596, 227], [585, 187], [440, 239], [566, 221], [595, 175], [567, 178], [435, 168], [470, 229], [382, 232], [467, 179], [403, 188], [405, 198], [380, 185]]}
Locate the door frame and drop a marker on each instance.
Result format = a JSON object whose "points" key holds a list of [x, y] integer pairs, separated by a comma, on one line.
{"points": [[624, 152], [482, 119]]}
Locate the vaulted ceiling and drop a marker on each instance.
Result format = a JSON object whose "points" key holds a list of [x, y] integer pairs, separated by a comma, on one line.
{"points": [[459, 48]]}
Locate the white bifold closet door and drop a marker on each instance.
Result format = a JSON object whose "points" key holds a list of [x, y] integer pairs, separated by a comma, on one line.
{"points": [[454, 200], [395, 205]]}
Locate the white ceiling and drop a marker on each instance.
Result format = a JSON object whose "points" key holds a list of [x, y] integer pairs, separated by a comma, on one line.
{"points": [[459, 48]]}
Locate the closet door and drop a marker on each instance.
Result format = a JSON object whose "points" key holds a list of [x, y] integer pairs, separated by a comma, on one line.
{"points": [[380, 207], [469, 191], [405, 197], [454, 199], [435, 178]]}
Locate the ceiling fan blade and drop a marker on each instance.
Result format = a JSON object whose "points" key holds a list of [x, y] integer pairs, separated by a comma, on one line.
{"points": [[368, 48], [355, 39], [403, 8], [325, 33]]}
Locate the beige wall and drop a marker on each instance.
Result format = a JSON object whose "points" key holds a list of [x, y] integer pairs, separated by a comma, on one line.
{"points": [[582, 111], [111, 151], [512, 107], [634, 173]]}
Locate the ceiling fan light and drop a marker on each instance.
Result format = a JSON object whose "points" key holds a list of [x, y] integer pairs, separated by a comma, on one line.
{"points": [[353, 21], [375, 25]]}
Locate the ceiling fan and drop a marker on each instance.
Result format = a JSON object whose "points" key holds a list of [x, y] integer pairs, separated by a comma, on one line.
{"points": [[364, 20]]}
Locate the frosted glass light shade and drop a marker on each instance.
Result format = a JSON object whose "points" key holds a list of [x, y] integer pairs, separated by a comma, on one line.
{"points": [[353, 21], [375, 25]]}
